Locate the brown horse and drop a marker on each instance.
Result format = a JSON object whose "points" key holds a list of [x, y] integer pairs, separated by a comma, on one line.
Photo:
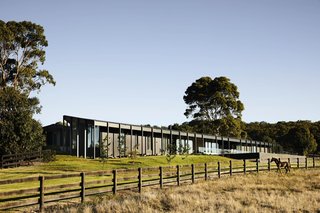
{"points": [[280, 164]]}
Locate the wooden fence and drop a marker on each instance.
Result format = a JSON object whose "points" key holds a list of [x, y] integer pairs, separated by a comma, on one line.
{"points": [[46, 189], [15, 160]]}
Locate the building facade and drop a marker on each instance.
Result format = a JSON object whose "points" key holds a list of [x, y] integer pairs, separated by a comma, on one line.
{"points": [[90, 138]]}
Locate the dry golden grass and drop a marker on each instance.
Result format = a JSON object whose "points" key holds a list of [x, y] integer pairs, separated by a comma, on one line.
{"points": [[298, 191]]}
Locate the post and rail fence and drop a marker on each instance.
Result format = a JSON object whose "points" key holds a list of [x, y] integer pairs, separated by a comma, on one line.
{"points": [[42, 190], [21, 159]]}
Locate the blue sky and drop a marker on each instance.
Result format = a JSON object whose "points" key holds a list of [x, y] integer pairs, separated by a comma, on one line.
{"points": [[132, 60]]}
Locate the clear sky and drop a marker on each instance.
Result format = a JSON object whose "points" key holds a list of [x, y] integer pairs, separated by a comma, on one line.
{"points": [[132, 60]]}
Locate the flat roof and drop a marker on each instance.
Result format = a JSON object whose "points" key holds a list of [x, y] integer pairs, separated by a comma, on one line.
{"points": [[207, 136]]}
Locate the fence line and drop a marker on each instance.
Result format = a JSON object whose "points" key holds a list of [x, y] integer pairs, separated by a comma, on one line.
{"points": [[83, 184], [15, 160]]}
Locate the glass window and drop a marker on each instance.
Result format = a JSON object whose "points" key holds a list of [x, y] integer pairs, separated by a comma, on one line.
{"points": [[74, 127], [97, 136]]}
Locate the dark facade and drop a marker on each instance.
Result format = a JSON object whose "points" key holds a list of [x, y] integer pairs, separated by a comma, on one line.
{"points": [[92, 138], [55, 137]]}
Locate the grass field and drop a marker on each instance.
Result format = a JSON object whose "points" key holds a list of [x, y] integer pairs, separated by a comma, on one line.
{"points": [[298, 191], [69, 164]]}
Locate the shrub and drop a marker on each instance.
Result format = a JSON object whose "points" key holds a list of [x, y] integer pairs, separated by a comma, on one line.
{"points": [[48, 155]]}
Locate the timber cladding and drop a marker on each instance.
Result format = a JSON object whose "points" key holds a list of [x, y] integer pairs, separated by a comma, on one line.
{"points": [[47, 189]]}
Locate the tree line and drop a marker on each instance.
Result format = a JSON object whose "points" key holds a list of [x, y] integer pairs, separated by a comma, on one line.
{"points": [[215, 108], [302, 137]]}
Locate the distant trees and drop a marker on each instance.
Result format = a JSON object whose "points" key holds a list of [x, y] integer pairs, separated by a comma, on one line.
{"points": [[301, 140], [215, 106], [21, 52], [315, 131], [300, 137]]}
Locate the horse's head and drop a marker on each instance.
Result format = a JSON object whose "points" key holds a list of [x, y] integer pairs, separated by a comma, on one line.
{"points": [[274, 160]]}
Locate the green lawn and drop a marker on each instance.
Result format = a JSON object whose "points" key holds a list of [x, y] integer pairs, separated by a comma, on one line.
{"points": [[65, 164], [69, 164]]}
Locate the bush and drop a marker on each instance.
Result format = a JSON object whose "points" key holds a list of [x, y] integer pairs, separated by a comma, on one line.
{"points": [[48, 155]]}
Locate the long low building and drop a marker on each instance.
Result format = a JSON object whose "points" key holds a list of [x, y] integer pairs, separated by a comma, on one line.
{"points": [[91, 138]]}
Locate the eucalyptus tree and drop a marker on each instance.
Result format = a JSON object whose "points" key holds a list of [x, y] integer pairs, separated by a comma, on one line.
{"points": [[22, 56], [216, 103]]}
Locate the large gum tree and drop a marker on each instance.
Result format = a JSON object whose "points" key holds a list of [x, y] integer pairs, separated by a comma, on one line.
{"points": [[21, 56], [21, 52], [214, 105]]}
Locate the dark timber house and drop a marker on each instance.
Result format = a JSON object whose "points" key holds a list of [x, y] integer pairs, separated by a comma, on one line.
{"points": [[87, 138]]}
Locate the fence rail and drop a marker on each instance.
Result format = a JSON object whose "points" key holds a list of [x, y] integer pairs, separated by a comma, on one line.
{"points": [[15, 160], [55, 188]]}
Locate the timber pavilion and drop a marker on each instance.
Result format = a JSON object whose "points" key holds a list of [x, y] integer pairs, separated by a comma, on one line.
{"points": [[88, 138]]}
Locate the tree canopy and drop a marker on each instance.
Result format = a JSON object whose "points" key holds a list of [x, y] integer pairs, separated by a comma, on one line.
{"points": [[19, 132], [21, 55], [21, 52], [214, 103]]}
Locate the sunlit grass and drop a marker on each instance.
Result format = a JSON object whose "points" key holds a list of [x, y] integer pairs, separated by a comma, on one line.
{"points": [[298, 191], [65, 164], [70, 164]]}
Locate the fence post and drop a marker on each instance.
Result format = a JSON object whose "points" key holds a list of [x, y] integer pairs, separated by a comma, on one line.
{"points": [[313, 163], [140, 180], [306, 163], [230, 168], [114, 189], [298, 163], [178, 175], [244, 166], [83, 192], [41, 196], [219, 170], [161, 177], [257, 165], [269, 166], [206, 171], [192, 173]]}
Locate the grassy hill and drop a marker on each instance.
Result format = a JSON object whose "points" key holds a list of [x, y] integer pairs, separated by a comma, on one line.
{"points": [[69, 164]]}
